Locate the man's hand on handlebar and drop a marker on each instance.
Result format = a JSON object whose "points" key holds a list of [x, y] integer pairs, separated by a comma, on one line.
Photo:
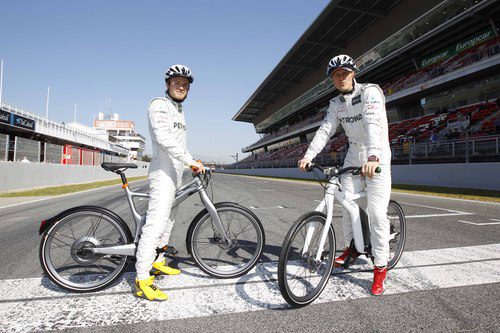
{"points": [[304, 164], [368, 168], [197, 167]]}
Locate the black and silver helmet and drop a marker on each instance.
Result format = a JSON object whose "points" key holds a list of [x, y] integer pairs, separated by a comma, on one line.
{"points": [[341, 61], [179, 70]]}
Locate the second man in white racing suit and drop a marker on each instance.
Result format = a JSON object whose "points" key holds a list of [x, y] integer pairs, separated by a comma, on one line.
{"points": [[360, 109], [167, 128]]}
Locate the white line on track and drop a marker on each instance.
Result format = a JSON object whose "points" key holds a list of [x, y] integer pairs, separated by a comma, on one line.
{"points": [[273, 207], [479, 223], [435, 215], [28, 305], [438, 208]]}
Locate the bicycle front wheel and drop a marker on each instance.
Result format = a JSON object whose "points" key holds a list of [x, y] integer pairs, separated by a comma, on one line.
{"points": [[226, 258], [301, 276], [397, 238], [66, 249]]}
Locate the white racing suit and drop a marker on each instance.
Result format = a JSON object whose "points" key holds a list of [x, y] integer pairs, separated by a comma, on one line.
{"points": [[363, 117], [170, 156]]}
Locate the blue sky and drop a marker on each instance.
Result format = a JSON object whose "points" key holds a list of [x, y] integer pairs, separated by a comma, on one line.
{"points": [[92, 51]]}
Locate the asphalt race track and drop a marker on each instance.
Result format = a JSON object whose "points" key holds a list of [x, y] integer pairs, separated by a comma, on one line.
{"points": [[447, 280]]}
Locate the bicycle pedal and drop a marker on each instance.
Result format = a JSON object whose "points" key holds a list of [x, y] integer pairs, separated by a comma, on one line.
{"points": [[157, 274], [167, 250]]}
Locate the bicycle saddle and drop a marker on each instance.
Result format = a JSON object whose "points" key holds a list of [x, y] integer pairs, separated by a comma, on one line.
{"points": [[116, 166]]}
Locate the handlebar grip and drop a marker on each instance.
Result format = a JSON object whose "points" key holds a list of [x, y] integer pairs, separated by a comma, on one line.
{"points": [[378, 170], [195, 169], [310, 167]]}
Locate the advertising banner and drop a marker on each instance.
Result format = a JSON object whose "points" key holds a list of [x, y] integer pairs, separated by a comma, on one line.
{"points": [[5, 117], [114, 124], [23, 122], [455, 48]]}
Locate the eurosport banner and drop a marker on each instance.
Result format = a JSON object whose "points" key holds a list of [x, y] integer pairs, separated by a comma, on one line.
{"points": [[5, 117], [23, 122], [455, 48]]}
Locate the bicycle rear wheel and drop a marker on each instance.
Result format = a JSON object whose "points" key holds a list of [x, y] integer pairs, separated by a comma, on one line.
{"points": [[301, 277], [66, 249], [219, 258], [397, 239]]}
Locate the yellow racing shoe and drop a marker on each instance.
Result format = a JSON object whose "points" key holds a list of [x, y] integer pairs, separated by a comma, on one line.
{"points": [[161, 268], [146, 289]]}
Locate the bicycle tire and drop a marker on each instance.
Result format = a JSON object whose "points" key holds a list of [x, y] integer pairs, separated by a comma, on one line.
{"points": [[305, 261], [397, 241], [89, 275], [202, 240]]}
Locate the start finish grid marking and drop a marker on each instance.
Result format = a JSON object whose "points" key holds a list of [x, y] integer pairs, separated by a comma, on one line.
{"points": [[29, 305]]}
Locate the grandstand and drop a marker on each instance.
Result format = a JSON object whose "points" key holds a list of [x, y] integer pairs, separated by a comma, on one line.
{"points": [[27, 137], [438, 63]]}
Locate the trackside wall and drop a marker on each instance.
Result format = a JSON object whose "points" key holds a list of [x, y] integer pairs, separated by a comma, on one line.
{"points": [[19, 176], [464, 175]]}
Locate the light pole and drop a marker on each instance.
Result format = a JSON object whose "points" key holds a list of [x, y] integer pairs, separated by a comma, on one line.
{"points": [[47, 104], [1, 81]]}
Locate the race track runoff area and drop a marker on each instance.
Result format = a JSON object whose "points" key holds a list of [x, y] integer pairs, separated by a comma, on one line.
{"points": [[451, 267]]}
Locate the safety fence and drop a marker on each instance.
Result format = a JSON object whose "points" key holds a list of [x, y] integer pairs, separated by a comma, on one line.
{"points": [[485, 148]]}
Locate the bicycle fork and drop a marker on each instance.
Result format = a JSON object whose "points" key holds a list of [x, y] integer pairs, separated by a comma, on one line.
{"points": [[327, 203], [214, 215]]}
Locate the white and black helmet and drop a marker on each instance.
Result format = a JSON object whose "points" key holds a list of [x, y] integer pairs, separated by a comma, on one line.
{"points": [[179, 70], [341, 61]]}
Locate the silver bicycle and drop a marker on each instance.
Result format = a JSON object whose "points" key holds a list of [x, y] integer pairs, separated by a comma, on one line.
{"points": [[308, 251], [86, 248]]}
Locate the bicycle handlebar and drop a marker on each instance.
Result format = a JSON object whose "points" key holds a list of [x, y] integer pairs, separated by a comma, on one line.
{"points": [[328, 171]]}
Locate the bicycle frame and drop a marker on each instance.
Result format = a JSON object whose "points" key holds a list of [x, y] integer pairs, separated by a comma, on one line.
{"points": [[182, 193], [346, 200]]}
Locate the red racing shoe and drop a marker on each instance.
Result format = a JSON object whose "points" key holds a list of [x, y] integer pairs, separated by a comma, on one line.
{"points": [[379, 275], [340, 260]]}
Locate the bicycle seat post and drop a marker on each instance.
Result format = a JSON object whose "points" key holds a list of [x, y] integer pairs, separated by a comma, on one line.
{"points": [[122, 176]]}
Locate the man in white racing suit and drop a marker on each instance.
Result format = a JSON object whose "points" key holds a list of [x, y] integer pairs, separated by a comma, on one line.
{"points": [[170, 156], [360, 109]]}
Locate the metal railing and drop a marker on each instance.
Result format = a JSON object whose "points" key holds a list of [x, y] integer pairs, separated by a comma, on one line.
{"points": [[461, 150], [61, 131]]}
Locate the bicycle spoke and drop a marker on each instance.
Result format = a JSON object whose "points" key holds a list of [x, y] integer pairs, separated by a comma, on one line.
{"points": [[206, 246], [71, 229], [218, 256], [62, 235], [244, 229], [92, 227], [57, 239]]}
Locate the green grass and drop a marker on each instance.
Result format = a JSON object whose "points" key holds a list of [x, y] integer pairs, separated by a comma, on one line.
{"points": [[58, 190], [450, 192]]}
